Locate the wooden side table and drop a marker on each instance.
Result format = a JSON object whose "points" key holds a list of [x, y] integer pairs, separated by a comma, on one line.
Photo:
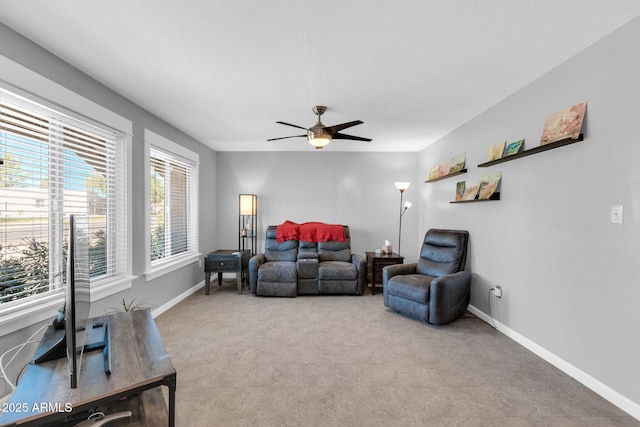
{"points": [[375, 264], [225, 260]]}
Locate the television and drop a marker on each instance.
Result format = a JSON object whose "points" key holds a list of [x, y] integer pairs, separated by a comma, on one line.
{"points": [[77, 299], [71, 341]]}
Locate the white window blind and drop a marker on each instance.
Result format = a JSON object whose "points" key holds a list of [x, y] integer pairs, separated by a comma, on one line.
{"points": [[53, 165], [172, 202]]}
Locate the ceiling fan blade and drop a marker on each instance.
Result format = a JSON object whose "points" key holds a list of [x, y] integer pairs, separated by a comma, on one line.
{"points": [[337, 128], [289, 124], [285, 137], [354, 138]]}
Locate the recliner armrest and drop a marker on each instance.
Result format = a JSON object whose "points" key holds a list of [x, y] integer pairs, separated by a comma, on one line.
{"points": [[254, 264], [393, 270], [449, 297]]}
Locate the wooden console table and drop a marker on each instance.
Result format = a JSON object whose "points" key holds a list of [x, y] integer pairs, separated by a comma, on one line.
{"points": [[139, 366], [375, 263], [224, 260]]}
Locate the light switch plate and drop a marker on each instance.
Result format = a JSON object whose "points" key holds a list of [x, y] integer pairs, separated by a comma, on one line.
{"points": [[616, 214]]}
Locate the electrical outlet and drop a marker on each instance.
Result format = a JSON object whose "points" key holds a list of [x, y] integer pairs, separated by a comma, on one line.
{"points": [[497, 291], [616, 214]]}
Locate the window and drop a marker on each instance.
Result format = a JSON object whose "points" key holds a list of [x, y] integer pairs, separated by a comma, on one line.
{"points": [[172, 205], [54, 164]]}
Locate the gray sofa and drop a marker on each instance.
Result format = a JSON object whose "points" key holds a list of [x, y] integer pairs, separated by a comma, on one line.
{"points": [[293, 267]]}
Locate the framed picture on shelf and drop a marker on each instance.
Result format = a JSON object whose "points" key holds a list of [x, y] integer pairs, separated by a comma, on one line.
{"points": [[564, 124], [514, 148], [489, 184], [471, 191], [496, 150], [434, 172], [444, 169], [460, 190], [457, 163]]}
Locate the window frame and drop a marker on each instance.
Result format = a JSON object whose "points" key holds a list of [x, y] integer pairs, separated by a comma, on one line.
{"points": [[184, 155], [28, 84]]}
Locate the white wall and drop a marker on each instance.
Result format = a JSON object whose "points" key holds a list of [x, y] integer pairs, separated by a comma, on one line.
{"points": [[355, 189], [571, 280]]}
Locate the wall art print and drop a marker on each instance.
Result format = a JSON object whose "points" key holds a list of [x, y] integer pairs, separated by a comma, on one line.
{"points": [[457, 163], [564, 124], [495, 151]]}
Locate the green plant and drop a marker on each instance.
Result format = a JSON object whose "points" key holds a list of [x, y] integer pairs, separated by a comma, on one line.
{"points": [[129, 306], [25, 274], [157, 242], [98, 254]]}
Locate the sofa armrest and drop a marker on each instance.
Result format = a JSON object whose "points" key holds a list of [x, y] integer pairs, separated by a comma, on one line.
{"points": [[361, 265], [254, 264], [449, 297]]}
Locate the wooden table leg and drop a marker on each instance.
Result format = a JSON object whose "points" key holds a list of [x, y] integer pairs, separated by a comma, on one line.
{"points": [[219, 278], [207, 282], [239, 280]]}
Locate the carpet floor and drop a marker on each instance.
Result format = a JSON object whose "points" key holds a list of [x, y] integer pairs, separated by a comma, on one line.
{"points": [[332, 361]]}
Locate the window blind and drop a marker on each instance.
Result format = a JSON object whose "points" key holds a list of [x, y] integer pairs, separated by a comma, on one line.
{"points": [[173, 206], [51, 166]]}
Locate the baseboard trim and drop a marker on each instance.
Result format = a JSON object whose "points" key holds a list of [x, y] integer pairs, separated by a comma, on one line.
{"points": [[622, 402], [164, 307]]}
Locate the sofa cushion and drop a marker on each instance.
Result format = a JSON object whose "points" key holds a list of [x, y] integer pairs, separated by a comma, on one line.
{"points": [[281, 256], [334, 252], [414, 287], [283, 251], [307, 253], [278, 272], [307, 245], [337, 287], [337, 270]]}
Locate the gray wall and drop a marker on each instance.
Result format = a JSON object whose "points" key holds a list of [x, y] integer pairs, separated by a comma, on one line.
{"points": [[570, 277], [356, 189], [163, 289]]}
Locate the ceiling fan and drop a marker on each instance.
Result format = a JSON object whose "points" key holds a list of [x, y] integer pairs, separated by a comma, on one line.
{"points": [[320, 135]]}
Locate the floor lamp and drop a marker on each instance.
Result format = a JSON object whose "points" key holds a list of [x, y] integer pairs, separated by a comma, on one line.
{"points": [[403, 208], [247, 222]]}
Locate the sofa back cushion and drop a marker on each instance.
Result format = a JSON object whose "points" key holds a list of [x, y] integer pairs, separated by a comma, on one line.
{"points": [[283, 251], [336, 251], [443, 252]]}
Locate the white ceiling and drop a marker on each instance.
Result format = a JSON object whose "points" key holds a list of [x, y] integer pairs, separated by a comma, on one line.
{"points": [[224, 71]]}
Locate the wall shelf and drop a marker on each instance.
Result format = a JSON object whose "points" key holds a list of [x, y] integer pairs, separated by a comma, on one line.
{"points": [[495, 196], [534, 150], [440, 178]]}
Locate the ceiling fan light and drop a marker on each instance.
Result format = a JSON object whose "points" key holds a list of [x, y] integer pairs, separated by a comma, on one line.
{"points": [[318, 139]]}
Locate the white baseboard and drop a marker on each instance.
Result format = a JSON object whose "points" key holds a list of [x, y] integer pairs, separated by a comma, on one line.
{"points": [[164, 307], [622, 402]]}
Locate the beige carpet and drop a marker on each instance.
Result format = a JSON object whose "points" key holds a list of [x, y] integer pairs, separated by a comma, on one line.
{"points": [[348, 361]]}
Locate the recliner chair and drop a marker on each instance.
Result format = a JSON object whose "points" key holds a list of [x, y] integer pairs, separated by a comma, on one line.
{"points": [[436, 289]]}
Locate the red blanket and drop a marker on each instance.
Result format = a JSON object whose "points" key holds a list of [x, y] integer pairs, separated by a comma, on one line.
{"points": [[310, 232]]}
